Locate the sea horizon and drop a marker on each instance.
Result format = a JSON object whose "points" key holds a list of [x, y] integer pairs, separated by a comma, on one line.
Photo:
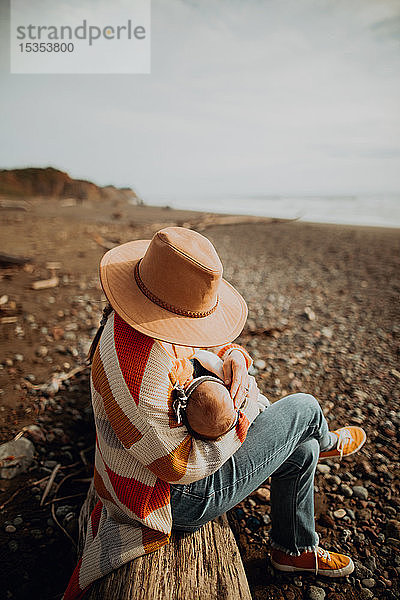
{"points": [[377, 210]]}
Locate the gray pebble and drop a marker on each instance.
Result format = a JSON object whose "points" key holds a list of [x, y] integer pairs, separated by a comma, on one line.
{"points": [[260, 364], [267, 519], [316, 593], [360, 492], [335, 479], [366, 593], [368, 583], [18, 521], [361, 571], [62, 511], [346, 490], [346, 534], [370, 563], [37, 534], [351, 514], [325, 469], [10, 529], [50, 464]]}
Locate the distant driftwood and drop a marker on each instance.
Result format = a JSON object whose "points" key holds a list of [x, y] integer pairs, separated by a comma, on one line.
{"points": [[204, 565], [209, 220], [7, 204], [7, 260]]}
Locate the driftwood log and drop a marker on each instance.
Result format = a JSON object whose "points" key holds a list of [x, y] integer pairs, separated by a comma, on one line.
{"points": [[7, 260], [204, 565]]}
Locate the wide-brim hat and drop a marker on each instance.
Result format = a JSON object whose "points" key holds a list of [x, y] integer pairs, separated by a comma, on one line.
{"points": [[171, 289]]}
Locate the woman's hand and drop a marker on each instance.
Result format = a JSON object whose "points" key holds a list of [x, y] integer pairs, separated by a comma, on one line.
{"points": [[236, 376], [252, 394]]}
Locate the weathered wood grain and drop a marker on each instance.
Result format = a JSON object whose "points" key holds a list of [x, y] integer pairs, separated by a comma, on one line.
{"points": [[203, 565]]}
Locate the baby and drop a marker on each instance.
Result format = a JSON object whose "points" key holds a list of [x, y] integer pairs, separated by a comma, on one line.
{"points": [[206, 405]]}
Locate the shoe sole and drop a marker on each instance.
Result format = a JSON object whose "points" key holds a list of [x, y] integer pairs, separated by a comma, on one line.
{"points": [[322, 457], [324, 572]]}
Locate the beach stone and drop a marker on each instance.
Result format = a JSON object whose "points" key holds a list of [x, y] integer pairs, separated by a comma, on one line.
{"points": [[335, 479], [327, 332], [18, 521], [267, 519], [393, 529], [360, 492], [339, 514], [253, 523], [21, 451], [324, 469], [62, 511], [316, 593], [351, 514], [237, 511], [346, 534], [13, 545], [366, 593], [368, 583], [364, 514], [36, 433], [361, 571], [37, 534], [309, 313], [10, 529], [262, 494], [42, 351], [260, 364], [370, 563], [346, 490]]}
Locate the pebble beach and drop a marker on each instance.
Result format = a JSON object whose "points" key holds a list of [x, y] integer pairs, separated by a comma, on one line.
{"points": [[323, 319]]}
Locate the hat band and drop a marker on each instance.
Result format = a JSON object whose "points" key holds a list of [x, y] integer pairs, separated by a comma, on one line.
{"points": [[169, 307]]}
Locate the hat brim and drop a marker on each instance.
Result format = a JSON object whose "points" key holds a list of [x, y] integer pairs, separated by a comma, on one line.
{"points": [[119, 285]]}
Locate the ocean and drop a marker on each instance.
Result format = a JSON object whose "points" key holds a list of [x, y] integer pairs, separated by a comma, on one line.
{"points": [[380, 210]]}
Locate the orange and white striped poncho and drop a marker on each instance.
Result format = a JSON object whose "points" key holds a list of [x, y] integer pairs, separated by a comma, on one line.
{"points": [[141, 449]]}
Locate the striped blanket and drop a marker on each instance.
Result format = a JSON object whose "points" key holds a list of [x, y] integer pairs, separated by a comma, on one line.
{"points": [[141, 449]]}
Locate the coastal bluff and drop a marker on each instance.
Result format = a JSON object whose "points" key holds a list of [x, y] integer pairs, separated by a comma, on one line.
{"points": [[53, 183]]}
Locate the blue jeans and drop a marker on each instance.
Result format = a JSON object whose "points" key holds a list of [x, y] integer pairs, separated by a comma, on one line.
{"points": [[283, 442]]}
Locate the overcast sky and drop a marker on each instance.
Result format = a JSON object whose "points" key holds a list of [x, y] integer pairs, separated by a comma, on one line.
{"points": [[279, 96]]}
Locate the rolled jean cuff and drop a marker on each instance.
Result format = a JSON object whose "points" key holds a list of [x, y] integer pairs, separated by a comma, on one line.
{"points": [[277, 546]]}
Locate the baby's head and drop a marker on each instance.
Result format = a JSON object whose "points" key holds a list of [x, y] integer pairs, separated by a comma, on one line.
{"points": [[210, 411]]}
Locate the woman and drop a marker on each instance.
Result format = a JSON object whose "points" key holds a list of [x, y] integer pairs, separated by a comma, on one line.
{"points": [[167, 297]]}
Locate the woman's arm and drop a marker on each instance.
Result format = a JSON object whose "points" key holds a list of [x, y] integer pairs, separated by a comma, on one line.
{"points": [[167, 449], [131, 375]]}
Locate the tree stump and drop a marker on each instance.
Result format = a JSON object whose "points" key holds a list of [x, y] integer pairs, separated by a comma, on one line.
{"points": [[204, 565]]}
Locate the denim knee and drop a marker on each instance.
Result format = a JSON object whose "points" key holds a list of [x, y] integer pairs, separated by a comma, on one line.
{"points": [[306, 454], [306, 404]]}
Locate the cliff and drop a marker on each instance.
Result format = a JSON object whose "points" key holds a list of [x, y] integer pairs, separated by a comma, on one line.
{"points": [[52, 183]]}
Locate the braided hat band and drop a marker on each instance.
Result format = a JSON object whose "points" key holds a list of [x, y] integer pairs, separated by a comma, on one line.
{"points": [[170, 307]]}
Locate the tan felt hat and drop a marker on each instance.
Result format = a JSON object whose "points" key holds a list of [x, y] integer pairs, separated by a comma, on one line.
{"points": [[171, 289]]}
